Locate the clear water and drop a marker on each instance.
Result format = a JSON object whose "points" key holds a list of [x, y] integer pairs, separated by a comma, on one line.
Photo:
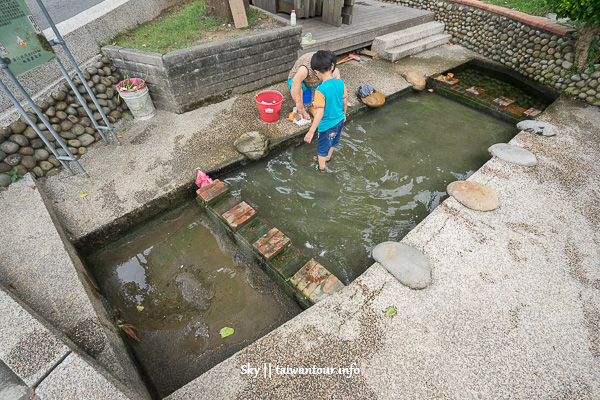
{"points": [[191, 281], [389, 172]]}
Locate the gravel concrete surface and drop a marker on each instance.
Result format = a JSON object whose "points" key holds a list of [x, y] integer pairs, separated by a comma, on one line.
{"points": [[513, 310]]}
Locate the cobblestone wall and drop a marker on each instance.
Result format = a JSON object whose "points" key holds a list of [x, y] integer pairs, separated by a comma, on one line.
{"points": [[185, 79], [20, 146], [533, 46]]}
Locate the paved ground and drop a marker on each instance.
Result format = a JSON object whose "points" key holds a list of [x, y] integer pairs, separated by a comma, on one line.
{"points": [[59, 10], [513, 310]]}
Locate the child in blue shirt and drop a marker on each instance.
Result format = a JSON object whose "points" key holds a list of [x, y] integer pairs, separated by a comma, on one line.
{"points": [[330, 105]]}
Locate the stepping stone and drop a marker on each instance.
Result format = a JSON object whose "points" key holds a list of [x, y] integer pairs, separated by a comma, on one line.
{"points": [[239, 215], [537, 127], [513, 154], [210, 194], [473, 195], [271, 243], [315, 282], [407, 264]]}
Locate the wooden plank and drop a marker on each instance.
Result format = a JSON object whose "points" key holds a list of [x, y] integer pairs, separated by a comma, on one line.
{"points": [[347, 19], [370, 53], [319, 7], [348, 2], [239, 13], [285, 6], [348, 10], [311, 8]]}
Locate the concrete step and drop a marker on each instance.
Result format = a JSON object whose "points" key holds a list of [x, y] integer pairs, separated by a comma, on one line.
{"points": [[406, 50], [405, 36]]}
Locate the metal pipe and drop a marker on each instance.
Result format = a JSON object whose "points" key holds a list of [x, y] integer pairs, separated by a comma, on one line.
{"points": [[59, 40], [34, 126]]}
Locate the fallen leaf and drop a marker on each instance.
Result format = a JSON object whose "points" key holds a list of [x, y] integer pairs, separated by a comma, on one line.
{"points": [[390, 311], [32, 187], [119, 136], [170, 301], [430, 90], [12, 286], [83, 195], [226, 331], [140, 308]]}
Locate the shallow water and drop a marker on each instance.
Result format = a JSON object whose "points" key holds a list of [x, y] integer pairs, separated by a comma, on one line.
{"points": [[496, 87], [191, 281], [389, 172]]}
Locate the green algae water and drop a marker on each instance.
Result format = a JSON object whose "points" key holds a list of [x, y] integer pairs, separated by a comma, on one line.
{"points": [[180, 281], [389, 172]]}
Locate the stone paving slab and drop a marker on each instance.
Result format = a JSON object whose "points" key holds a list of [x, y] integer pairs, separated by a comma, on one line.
{"points": [[27, 347], [76, 379], [44, 271]]}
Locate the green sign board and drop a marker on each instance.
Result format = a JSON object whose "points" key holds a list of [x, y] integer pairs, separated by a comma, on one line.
{"points": [[23, 46]]}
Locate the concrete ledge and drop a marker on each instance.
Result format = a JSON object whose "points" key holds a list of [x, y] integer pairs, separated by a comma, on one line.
{"points": [[47, 363], [54, 282], [29, 349], [212, 71]]}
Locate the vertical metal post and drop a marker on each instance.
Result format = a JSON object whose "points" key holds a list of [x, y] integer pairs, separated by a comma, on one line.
{"points": [[69, 156], [59, 40]]}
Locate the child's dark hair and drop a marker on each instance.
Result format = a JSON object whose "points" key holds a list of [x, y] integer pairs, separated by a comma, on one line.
{"points": [[321, 61]]}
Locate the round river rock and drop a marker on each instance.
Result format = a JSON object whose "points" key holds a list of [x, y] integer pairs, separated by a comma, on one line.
{"points": [[407, 264], [473, 195], [415, 79], [513, 154]]}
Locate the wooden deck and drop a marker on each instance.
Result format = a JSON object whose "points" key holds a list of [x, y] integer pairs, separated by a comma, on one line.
{"points": [[371, 18]]}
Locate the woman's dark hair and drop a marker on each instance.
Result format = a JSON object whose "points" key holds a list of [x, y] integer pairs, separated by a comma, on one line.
{"points": [[321, 61]]}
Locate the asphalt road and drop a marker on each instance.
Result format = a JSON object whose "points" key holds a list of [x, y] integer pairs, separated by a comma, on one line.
{"points": [[59, 10]]}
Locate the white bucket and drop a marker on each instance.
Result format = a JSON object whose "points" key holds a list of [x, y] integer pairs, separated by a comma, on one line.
{"points": [[140, 103]]}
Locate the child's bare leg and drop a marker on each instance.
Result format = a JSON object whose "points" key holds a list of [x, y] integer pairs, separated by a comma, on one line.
{"points": [[322, 161], [330, 153]]}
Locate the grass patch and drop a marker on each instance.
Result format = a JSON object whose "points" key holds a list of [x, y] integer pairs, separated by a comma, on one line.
{"points": [[184, 26], [533, 7]]}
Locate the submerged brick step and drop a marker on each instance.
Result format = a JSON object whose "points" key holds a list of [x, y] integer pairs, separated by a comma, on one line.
{"points": [[272, 243], [212, 193], [314, 281], [239, 215]]}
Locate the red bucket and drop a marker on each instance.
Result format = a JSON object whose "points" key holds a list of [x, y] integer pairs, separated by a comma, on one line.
{"points": [[269, 105]]}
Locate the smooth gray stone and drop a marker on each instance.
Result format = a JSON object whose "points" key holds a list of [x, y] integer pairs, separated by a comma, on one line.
{"points": [[5, 180], [407, 264], [538, 127], [86, 139], [513, 154]]}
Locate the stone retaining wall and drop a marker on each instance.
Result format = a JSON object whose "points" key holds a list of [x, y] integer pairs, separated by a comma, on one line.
{"points": [[185, 79], [535, 47], [20, 145], [301, 277]]}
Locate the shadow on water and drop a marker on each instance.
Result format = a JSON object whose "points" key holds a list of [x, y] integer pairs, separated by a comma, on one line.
{"points": [[389, 172], [180, 281]]}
